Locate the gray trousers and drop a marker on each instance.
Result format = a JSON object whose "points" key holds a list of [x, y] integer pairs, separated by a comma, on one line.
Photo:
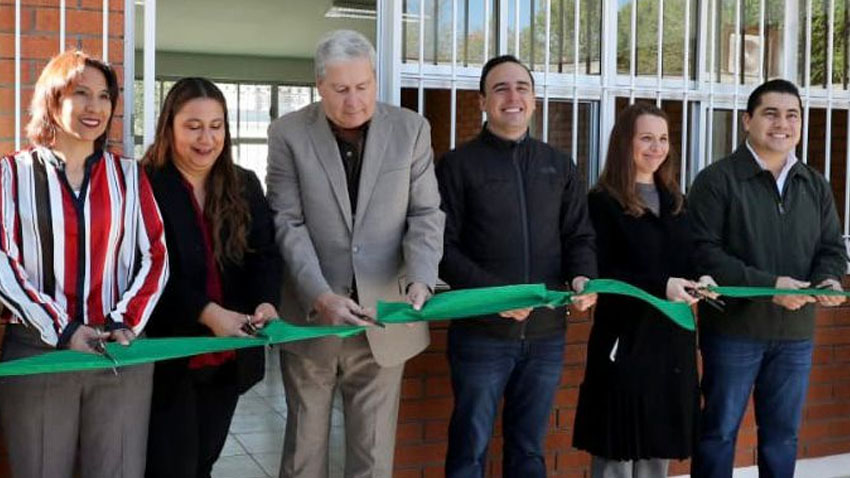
{"points": [[47, 418], [370, 396], [605, 468]]}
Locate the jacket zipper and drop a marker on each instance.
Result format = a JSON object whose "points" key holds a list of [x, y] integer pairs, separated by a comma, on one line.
{"points": [[523, 211]]}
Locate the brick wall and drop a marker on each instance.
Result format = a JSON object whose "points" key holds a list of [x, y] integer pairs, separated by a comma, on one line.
{"points": [[40, 41]]}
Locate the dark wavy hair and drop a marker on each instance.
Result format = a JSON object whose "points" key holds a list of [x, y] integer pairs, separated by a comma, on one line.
{"points": [[618, 176], [224, 207]]}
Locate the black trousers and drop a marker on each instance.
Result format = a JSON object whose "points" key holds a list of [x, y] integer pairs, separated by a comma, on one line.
{"points": [[190, 416]]}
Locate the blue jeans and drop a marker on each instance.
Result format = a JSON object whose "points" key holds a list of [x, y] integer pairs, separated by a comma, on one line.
{"points": [[732, 367], [484, 369]]}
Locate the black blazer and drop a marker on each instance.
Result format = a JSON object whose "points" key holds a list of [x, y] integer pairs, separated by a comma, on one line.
{"points": [[244, 286]]}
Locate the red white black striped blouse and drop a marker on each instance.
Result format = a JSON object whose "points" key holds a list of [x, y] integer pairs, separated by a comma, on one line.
{"points": [[94, 257]]}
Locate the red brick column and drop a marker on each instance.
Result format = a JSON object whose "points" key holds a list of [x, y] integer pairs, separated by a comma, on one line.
{"points": [[40, 41]]}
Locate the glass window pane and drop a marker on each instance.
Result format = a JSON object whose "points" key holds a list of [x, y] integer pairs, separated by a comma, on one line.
{"points": [[721, 141], [253, 157], [562, 35], [673, 55], [231, 96], [437, 31], [254, 110], [646, 47], [743, 46], [292, 98], [818, 62]]}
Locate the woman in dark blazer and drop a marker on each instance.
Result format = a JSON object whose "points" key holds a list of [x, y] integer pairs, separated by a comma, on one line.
{"points": [[638, 404], [226, 273]]}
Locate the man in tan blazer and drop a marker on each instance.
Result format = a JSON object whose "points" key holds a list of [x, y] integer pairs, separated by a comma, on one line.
{"points": [[357, 211]]}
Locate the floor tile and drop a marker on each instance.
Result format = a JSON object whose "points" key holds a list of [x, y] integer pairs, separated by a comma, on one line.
{"points": [[263, 442], [269, 462], [252, 406], [233, 447], [237, 467], [268, 422]]}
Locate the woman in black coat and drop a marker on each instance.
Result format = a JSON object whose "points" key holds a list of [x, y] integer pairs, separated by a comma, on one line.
{"points": [[225, 278], [638, 404]]}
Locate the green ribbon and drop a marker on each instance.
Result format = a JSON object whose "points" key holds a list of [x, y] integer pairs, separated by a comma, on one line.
{"points": [[490, 300], [749, 292], [449, 305], [151, 350]]}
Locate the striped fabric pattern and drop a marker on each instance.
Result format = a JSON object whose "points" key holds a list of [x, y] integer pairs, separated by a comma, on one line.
{"points": [[96, 256]]}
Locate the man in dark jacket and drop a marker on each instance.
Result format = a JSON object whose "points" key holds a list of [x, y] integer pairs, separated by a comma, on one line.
{"points": [[762, 218], [515, 213]]}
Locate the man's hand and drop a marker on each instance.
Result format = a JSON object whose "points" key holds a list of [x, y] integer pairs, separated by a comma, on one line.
{"points": [[517, 314], [84, 338], [830, 300], [417, 294], [791, 302], [581, 301], [262, 314], [334, 309]]}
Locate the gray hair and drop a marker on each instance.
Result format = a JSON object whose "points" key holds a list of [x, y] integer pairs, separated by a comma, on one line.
{"points": [[342, 45]]}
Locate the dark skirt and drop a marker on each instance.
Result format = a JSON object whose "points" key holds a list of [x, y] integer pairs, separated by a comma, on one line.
{"points": [[644, 403]]}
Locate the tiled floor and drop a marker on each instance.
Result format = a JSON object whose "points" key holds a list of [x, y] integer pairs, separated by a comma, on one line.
{"points": [[255, 441]]}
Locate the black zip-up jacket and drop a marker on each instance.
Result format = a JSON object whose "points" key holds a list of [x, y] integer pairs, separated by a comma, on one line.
{"points": [[747, 234], [516, 212]]}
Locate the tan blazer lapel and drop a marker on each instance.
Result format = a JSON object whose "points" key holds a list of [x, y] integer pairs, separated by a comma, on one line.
{"points": [[328, 155], [380, 131]]}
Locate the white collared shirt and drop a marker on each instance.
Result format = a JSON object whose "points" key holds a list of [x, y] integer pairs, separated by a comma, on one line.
{"points": [[783, 174]]}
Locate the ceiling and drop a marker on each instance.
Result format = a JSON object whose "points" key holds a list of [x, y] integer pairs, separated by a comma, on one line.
{"points": [[274, 28]]}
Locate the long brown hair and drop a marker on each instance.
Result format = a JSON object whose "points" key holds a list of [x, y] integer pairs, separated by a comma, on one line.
{"points": [[618, 176], [224, 206], [59, 75]]}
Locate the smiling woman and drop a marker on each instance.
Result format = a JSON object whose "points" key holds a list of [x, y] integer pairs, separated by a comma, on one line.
{"points": [[226, 276], [88, 266]]}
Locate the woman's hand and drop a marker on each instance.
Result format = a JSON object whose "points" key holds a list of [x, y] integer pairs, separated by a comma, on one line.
{"points": [[122, 336], [85, 338], [676, 290], [224, 322]]}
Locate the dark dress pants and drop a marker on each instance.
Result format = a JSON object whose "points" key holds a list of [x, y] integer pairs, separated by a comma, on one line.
{"points": [[190, 417]]}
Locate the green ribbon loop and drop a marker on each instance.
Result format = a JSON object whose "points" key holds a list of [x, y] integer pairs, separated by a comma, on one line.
{"points": [[449, 305]]}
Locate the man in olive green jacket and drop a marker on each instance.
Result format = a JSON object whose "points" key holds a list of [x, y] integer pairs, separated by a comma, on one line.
{"points": [[762, 218]]}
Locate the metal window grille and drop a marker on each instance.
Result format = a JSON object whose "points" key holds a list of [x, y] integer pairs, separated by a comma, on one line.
{"points": [[703, 56]]}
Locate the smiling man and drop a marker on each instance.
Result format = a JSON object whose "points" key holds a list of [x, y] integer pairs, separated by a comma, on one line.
{"points": [[515, 213], [762, 218], [357, 211]]}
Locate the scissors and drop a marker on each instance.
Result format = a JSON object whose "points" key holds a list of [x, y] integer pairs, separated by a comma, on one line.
{"points": [[99, 346], [369, 319], [701, 293]]}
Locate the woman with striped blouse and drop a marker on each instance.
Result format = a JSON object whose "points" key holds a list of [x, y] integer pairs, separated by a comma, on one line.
{"points": [[82, 261]]}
